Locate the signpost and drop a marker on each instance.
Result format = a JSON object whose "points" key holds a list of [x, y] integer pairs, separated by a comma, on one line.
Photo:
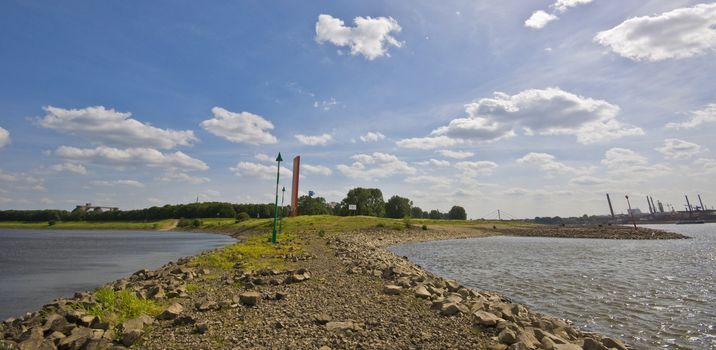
{"points": [[280, 218], [275, 207], [352, 207]]}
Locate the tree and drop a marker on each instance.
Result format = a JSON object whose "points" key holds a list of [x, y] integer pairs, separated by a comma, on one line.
{"points": [[457, 213], [313, 206], [416, 212], [435, 214], [397, 207], [368, 201]]}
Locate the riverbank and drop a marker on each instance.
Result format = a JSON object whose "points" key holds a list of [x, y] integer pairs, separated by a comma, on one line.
{"points": [[329, 283]]}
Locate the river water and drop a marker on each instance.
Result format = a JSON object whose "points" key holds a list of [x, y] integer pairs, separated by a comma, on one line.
{"points": [[37, 266], [653, 294]]}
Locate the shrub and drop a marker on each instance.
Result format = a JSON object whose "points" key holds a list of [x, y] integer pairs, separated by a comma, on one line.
{"points": [[51, 223], [321, 233], [425, 227], [243, 216], [407, 223], [196, 223]]}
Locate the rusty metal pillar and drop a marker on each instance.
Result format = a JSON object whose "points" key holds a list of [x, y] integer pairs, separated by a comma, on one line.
{"points": [[294, 185]]}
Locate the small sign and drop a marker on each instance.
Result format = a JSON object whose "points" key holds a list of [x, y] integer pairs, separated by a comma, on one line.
{"points": [[352, 207]]}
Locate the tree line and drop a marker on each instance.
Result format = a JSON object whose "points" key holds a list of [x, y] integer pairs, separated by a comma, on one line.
{"points": [[368, 201]]}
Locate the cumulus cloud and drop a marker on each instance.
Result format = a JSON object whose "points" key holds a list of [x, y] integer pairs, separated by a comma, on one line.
{"points": [[472, 169], [703, 116], [264, 157], [118, 183], [70, 168], [241, 127], [539, 19], [550, 111], [132, 156], [183, 177], [4, 137], [626, 164], [587, 180], [679, 149], [547, 163], [456, 154], [22, 181], [434, 162], [372, 137], [316, 169], [263, 171], [319, 140], [677, 34], [622, 157], [374, 166], [108, 126], [370, 37], [434, 181]]}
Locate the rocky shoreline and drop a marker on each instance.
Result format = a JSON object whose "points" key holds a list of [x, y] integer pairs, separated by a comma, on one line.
{"points": [[342, 291], [592, 231]]}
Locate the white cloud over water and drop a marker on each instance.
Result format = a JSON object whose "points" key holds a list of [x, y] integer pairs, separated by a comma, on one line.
{"points": [[107, 126]]}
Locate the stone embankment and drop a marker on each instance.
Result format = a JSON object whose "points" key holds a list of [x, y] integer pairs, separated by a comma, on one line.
{"points": [[342, 291], [592, 231]]}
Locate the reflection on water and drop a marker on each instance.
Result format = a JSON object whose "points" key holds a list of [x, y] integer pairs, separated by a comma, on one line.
{"points": [[37, 266], [650, 293]]}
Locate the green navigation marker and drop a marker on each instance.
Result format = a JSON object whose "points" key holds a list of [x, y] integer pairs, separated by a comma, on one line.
{"points": [[280, 218], [275, 206]]}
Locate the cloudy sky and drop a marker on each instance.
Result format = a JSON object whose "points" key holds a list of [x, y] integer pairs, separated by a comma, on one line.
{"points": [[532, 107]]}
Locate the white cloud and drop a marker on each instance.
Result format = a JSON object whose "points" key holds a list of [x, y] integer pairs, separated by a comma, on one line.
{"points": [[326, 105], [102, 125], [241, 127], [4, 137], [703, 116], [677, 34], [564, 5], [132, 156], [370, 37], [118, 183], [539, 19], [617, 157], [264, 157], [22, 181], [318, 140], [434, 162], [435, 181], [587, 180], [70, 167], [679, 149], [456, 154], [381, 165], [183, 177], [550, 111], [316, 169], [547, 163], [263, 171], [428, 142], [372, 137], [708, 164], [476, 168]]}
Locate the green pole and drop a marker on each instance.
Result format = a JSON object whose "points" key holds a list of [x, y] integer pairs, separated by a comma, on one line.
{"points": [[280, 218], [275, 207]]}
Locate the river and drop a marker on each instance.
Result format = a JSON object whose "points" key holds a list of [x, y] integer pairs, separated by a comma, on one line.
{"points": [[37, 266], [653, 294]]}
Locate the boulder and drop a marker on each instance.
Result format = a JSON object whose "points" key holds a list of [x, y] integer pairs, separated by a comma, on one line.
{"points": [[452, 286], [592, 344], [201, 327], [184, 320], [171, 312], [392, 289], [249, 298], [613, 343], [131, 336], [340, 326], [567, 347], [507, 336], [322, 319], [76, 340], [449, 309], [422, 292], [518, 346], [486, 319], [33, 339]]}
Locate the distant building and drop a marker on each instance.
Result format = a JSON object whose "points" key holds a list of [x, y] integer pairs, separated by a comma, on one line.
{"points": [[634, 212], [89, 207]]}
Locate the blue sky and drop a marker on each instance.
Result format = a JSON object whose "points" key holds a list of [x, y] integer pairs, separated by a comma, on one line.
{"points": [[533, 107]]}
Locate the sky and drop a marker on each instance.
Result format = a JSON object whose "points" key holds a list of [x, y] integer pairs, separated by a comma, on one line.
{"points": [[536, 108]]}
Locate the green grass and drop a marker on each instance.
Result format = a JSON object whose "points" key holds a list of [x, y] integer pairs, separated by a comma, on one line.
{"points": [[116, 307], [89, 225]]}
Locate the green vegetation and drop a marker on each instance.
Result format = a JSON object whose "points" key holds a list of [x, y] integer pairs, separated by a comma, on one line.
{"points": [[398, 207], [89, 225], [457, 213], [242, 217], [368, 201], [313, 206], [116, 307]]}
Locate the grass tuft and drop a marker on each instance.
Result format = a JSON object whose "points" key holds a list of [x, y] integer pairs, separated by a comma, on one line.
{"points": [[116, 307]]}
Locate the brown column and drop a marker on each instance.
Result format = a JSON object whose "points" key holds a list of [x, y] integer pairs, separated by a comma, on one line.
{"points": [[294, 187]]}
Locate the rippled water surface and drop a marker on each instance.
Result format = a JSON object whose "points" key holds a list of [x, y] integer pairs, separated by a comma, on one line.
{"points": [[650, 293], [37, 266]]}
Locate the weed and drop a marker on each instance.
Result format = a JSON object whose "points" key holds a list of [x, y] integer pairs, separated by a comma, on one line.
{"points": [[321, 233], [116, 307], [408, 224], [425, 227]]}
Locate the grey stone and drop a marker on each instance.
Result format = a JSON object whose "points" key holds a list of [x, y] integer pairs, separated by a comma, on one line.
{"points": [[249, 298], [422, 292], [507, 336], [340, 326], [392, 289], [171, 312], [130, 337], [486, 319]]}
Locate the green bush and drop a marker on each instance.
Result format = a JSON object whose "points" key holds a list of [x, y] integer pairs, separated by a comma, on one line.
{"points": [[425, 227], [51, 223], [196, 223], [243, 216], [407, 223], [321, 233]]}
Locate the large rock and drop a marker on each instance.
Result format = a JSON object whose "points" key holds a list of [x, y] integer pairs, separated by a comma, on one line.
{"points": [[592, 344], [518, 346], [567, 347], [131, 336], [507, 336], [392, 289], [614, 343], [57, 323], [486, 319], [171, 312], [249, 298], [76, 340], [422, 292], [340, 326]]}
